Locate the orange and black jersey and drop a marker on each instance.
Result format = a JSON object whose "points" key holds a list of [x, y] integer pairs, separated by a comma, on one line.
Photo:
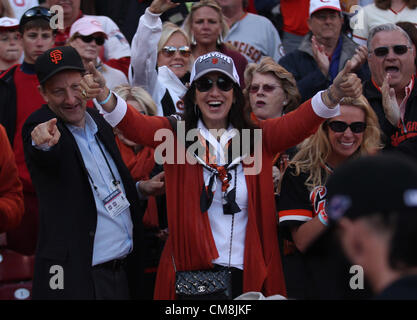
{"points": [[297, 204]]}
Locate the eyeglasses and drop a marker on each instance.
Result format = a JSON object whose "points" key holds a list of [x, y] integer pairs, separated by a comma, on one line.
{"points": [[204, 84], [87, 39], [254, 88], [399, 50], [340, 126], [169, 51]]}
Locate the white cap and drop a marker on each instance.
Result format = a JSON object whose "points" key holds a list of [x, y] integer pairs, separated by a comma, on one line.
{"points": [[9, 23], [316, 5]]}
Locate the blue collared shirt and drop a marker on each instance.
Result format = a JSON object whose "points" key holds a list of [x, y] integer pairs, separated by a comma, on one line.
{"points": [[113, 237]]}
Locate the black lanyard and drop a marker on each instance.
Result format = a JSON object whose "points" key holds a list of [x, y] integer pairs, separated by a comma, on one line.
{"points": [[115, 181]]}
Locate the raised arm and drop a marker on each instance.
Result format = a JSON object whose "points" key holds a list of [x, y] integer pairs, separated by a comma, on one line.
{"points": [[134, 125], [145, 46]]}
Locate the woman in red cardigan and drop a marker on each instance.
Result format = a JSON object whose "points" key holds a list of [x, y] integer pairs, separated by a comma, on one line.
{"points": [[221, 210]]}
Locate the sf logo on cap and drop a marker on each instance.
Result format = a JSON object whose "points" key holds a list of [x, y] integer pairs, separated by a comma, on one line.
{"points": [[56, 56]]}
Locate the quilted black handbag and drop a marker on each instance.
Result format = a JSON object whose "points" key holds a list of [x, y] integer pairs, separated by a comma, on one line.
{"points": [[210, 284]]}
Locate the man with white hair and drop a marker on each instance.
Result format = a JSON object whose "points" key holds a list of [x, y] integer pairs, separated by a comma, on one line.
{"points": [[391, 90]]}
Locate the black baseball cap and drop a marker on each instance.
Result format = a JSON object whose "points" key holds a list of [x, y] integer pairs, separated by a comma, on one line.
{"points": [[373, 184], [34, 14], [56, 60]]}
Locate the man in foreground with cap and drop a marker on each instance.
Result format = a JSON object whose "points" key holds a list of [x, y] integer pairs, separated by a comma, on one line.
{"points": [[90, 215], [373, 205], [324, 50], [19, 97], [10, 43]]}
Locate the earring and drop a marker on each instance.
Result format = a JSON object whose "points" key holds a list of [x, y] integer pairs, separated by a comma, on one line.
{"points": [[193, 42]]}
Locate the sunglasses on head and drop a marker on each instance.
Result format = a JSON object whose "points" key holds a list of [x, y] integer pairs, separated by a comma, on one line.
{"points": [[398, 49], [169, 51], [87, 39], [340, 126], [37, 12], [254, 88], [204, 84]]}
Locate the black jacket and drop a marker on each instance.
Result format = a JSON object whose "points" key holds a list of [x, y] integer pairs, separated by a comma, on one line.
{"points": [[402, 140], [67, 211]]}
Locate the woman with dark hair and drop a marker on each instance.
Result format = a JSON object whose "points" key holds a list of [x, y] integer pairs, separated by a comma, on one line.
{"points": [[220, 199], [381, 12]]}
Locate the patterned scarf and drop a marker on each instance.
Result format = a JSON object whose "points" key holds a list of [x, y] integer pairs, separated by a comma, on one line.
{"points": [[225, 176]]}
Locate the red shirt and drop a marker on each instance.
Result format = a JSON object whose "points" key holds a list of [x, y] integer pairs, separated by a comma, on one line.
{"points": [[28, 99], [295, 15]]}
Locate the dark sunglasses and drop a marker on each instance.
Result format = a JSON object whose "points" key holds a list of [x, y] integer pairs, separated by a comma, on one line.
{"points": [[254, 88], [169, 51], [87, 39], [37, 12], [204, 84], [399, 50], [340, 126]]}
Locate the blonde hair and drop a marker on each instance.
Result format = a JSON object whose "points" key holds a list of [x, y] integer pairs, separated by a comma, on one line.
{"points": [[314, 151], [7, 10], [138, 94], [285, 78], [168, 29], [205, 3]]}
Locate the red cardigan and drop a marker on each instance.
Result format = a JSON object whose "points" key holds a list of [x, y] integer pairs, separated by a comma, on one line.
{"points": [[190, 239], [11, 190]]}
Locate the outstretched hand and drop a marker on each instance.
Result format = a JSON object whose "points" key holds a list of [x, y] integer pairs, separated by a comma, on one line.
{"points": [[160, 6], [389, 102], [46, 133]]}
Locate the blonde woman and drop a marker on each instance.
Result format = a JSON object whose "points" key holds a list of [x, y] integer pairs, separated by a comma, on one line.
{"points": [[161, 58], [206, 27], [302, 217]]}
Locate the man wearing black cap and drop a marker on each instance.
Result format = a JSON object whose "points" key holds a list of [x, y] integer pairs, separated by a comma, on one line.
{"points": [[19, 97], [373, 205], [90, 215]]}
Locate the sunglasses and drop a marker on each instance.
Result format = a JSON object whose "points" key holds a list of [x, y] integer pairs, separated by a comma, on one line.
{"points": [[398, 49], [254, 88], [37, 12], [204, 84], [87, 39], [340, 126], [169, 51]]}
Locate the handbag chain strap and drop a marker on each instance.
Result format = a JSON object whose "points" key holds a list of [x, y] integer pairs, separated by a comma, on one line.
{"points": [[231, 234]]}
